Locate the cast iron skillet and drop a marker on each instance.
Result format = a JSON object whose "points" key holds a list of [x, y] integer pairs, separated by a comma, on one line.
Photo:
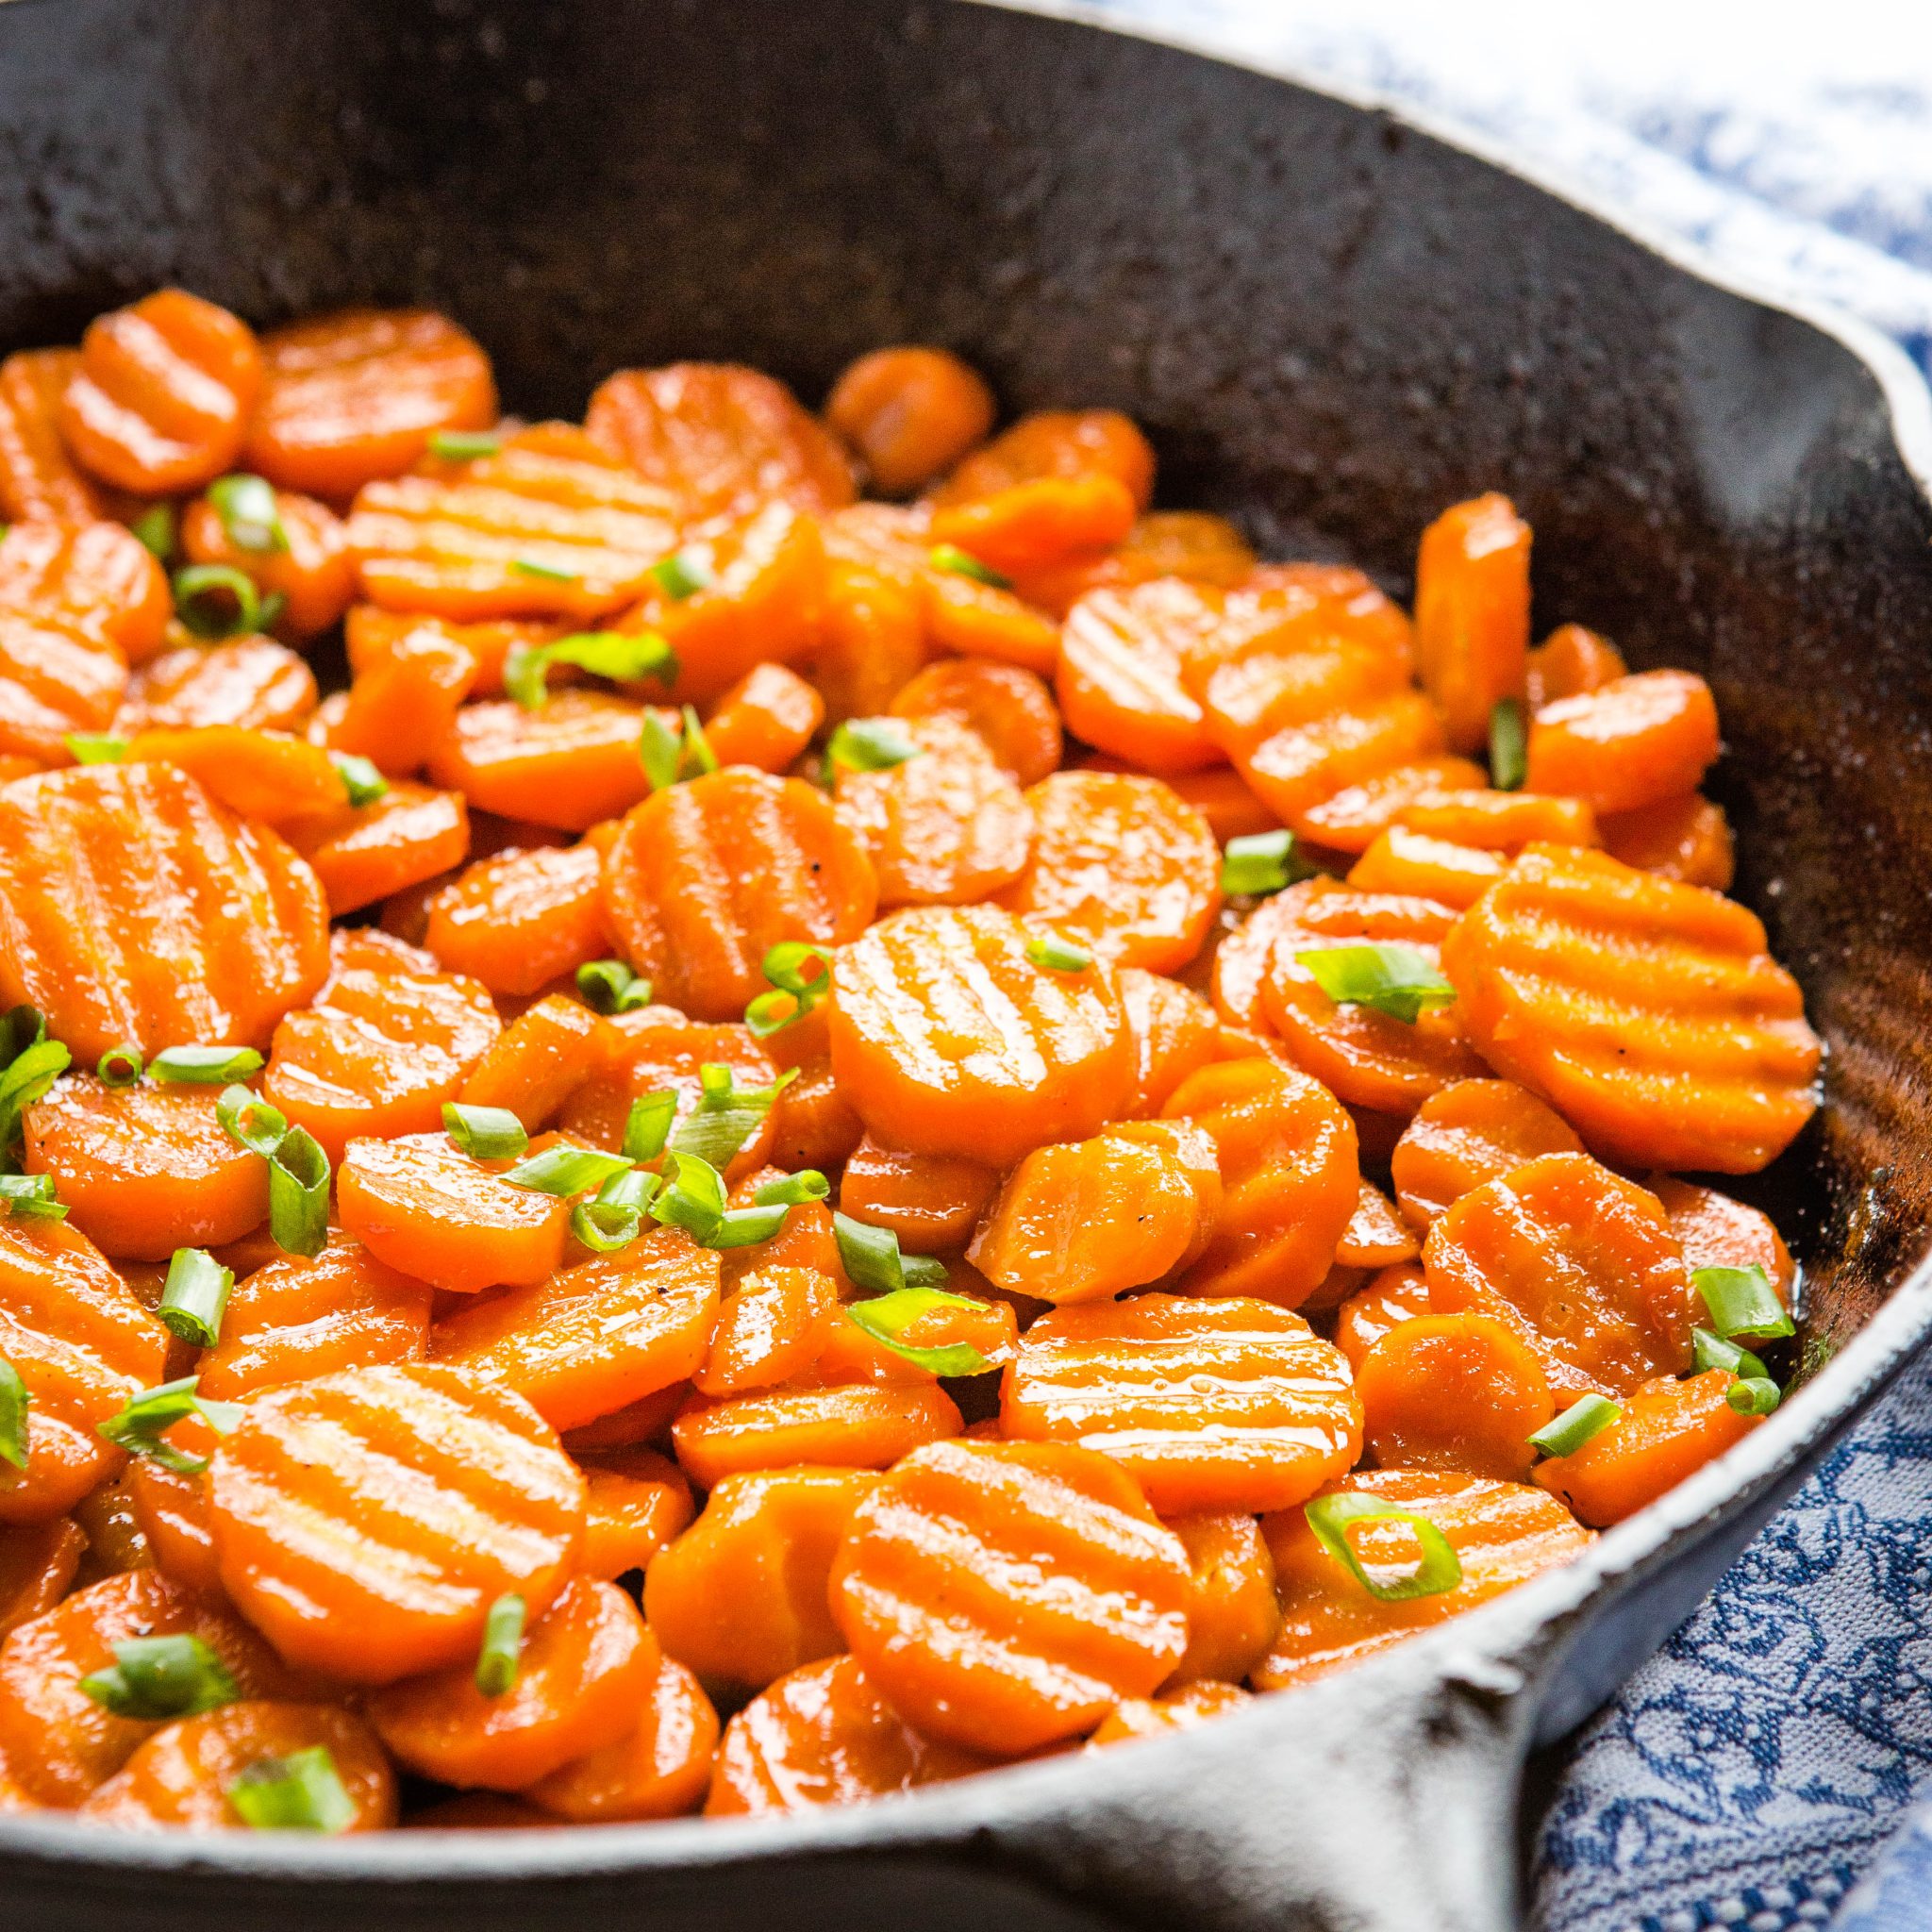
{"points": [[1333, 324]]}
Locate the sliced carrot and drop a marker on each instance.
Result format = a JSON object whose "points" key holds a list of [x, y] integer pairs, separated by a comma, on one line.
{"points": [[1175, 1034], [55, 680], [1011, 709], [170, 1512], [1339, 600], [1460, 1393], [1189, 544], [1402, 861], [871, 630], [1471, 1132], [370, 633], [766, 719], [948, 1038], [1666, 1431], [522, 919], [931, 1202], [636, 1502], [1580, 1262], [659, 1769], [379, 1556], [39, 481], [1040, 523], [812, 1122], [1649, 1013], [539, 1059], [1120, 681], [1154, 1717], [569, 765], [1055, 443], [1391, 1296], [763, 1544], [768, 1330], [270, 775], [37, 1563], [720, 438], [404, 704], [909, 413], [1503, 1534], [1471, 614], [1302, 766], [251, 681], [1567, 662], [1350, 819], [1290, 1182], [410, 835], [1686, 838], [981, 1318], [349, 397], [630, 1428], [1232, 1613], [707, 877], [851, 1425], [97, 577], [1626, 744], [1715, 1231], [310, 570], [1499, 821]]}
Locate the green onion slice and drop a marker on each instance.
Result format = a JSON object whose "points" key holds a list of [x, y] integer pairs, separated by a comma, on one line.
{"points": [[1262, 862], [562, 1169], [1387, 977], [869, 745], [1508, 745], [361, 782], [1058, 956], [614, 1216], [794, 993], [463, 445], [31, 1197], [195, 1296], [483, 1133], [32, 1064], [1742, 1302], [204, 1066], [158, 1678], [1330, 1516], [744, 1227], [503, 1644], [886, 1318], [608, 986], [155, 528], [626, 656], [794, 1190], [647, 1127], [215, 599], [1753, 1395], [1587, 1416], [139, 1426], [693, 1198], [871, 1260], [303, 1791], [119, 1066], [1712, 1351], [727, 1115], [673, 752], [250, 1122], [95, 747], [698, 754], [961, 563], [298, 1177], [683, 574], [551, 573], [13, 1407], [249, 513]]}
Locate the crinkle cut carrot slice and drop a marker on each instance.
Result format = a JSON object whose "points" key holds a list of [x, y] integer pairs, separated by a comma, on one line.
{"points": [[97, 578], [403, 703], [1423, 867], [1569, 661], [1454, 1392], [270, 775], [1299, 767], [1389, 1298], [1648, 1013], [930, 1202], [1686, 837], [55, 680], [1715, 1231], [370, 633], [1468, 1133], [850, 1425], [1350, 819], [1626, 744], [1471, 614], [659, 1769], [570, 765], [766, 719], [1154, 1717], [539, 1059], [1055, 443], [365, 1522], [311, 571], [134, 911], [1040, 522], [1228, 1404], [1189, 544], [769, 1329], [871, 630], [908, 413], [522, 919], [39, 481], [1010, 709], [1232, 1613], [251, 682], [1176, 1033], [636, 1501], [37, 1562], [410, 835]]}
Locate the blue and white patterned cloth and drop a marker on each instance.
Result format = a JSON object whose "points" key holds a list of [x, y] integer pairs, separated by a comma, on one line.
{"points": [[1752, 1774]]}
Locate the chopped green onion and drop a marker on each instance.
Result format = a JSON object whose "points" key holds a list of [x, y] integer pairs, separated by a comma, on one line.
{"points": [[1742, 1302], [1058, 956], [155, 528], [744, 1227], [202, 594], [1387, 977], [562, 1169], [1439, 1569], [1508, 745], [869, 745], [792, 995], [249, 513], [463, 445], [886, 1318], [647, 1127], [727, 1115], [95, 747], [204, 1066], [794, 1190], [194, 1297], [250, 1122], [158, 1678], [272, 608], [503, 1644], [361, 782], [949, 557], [139, 1426], [1711, 1351], [1262, 862], [692, 1198], [119, 1066], [697, 747], [608, 986], [31, 1197], [33, 1063], [626, 656], [1587, 1416], [302, 1792], [483, 1133], [871, 1258], [672, 752], [613, 1217], [298, 1194], [530, 567], [1752, 1396], [13, 1407], [683, 574]]}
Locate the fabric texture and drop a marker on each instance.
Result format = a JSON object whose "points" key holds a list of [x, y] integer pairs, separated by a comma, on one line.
{"points": [[1752, 1775]]}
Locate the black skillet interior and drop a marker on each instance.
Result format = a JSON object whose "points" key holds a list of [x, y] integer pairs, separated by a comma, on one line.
{"points": [[1331, 324]]}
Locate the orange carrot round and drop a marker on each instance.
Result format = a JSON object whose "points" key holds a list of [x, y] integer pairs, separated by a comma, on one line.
{"points": [[1471, 614], [849, 1425], [1232, 1613], [1468, 1133], [1628, 744], [908, 413], [930, 1201], [657, 1769], [1009, 707], [1453, 1392]]}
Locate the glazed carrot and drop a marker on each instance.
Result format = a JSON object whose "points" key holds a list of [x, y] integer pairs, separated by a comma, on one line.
{"points": [[636, 1502], [909, 413], [812, 1122], [768, 1329], [296, 1318], [1503, 1534], [522, 919], [1577, 1259], [1239, 965], [1231, 1610], [1154, 1717], [944, 826], [763, 1544], [1412, 863], [251, 682], [1350, 818], [1460, 1393], [144, 1170], [1468, 1133], [379, 1556], [535, 1064], [108, 1518], [404, 704], [97, 577], [583, 1668], [1649, 1013], [1567, 662], [428, 1210], [37, 1563], [1390, 1297], [1629, 744], [379, 1053], [1287, 1169], [161, 396], [1009, 707], [170, 1512], [659, 1769], [1175, 1034], [548, 526], [349, 397], [851, 1425], [1055, 443], [58, 1744], [1005, 1595], [1119, 863], [1040, 523], [826, 1736], [948, 1038], [1471, 614], [872, 629], [1715, 1231], [569, 765], [370, 633], [1120, 681], [39, 480], [629, 1429], [1686, 838], [706, 877], [186, 1775], [1335, 599], [54, 680], [596, 1337], [1667, 1430], [309, 569], [931, 1202], [1163, 543], [766, 719], [269, 775], [410, 835], [976, 1315], [718, 438]]}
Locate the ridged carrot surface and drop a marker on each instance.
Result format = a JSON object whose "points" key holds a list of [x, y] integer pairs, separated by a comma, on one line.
{"points": [[39, 481], [1468, 1133]]}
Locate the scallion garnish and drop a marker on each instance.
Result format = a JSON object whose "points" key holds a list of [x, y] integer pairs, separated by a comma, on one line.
{"points": [[95, 747], [1058, 956], [727, 1115], [29, 1064], [303, 1791], [155, 528], [249, 513], [647, 1127], [1439, 1569], [886, 1318], [793, 993], [794, 1190], [361, 782], [250, 1122], [204, 1066], [1710, 1351], [608, 986], [962, 563], [626, 656], [31, 1197], [154, 1679], [613, 1217], [195, 1296], [216, 600], [564, 1169], [463, 445], [692, 1196], [1587, 1416], [553, 573], [1508, 745], [13, 1407], [1387, 977], [683, 574], [670, 752], [483, 1133], [119, 1066], [139, 1426], [1753, 1395], [1742, 1302], [1262, 862], [869, 745], [745, 1227], [298, 1176], [503, 1644], [871, 1260]]}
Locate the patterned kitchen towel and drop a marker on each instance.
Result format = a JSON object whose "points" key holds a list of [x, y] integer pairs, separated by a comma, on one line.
{"points": [[1752, 1774]]}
